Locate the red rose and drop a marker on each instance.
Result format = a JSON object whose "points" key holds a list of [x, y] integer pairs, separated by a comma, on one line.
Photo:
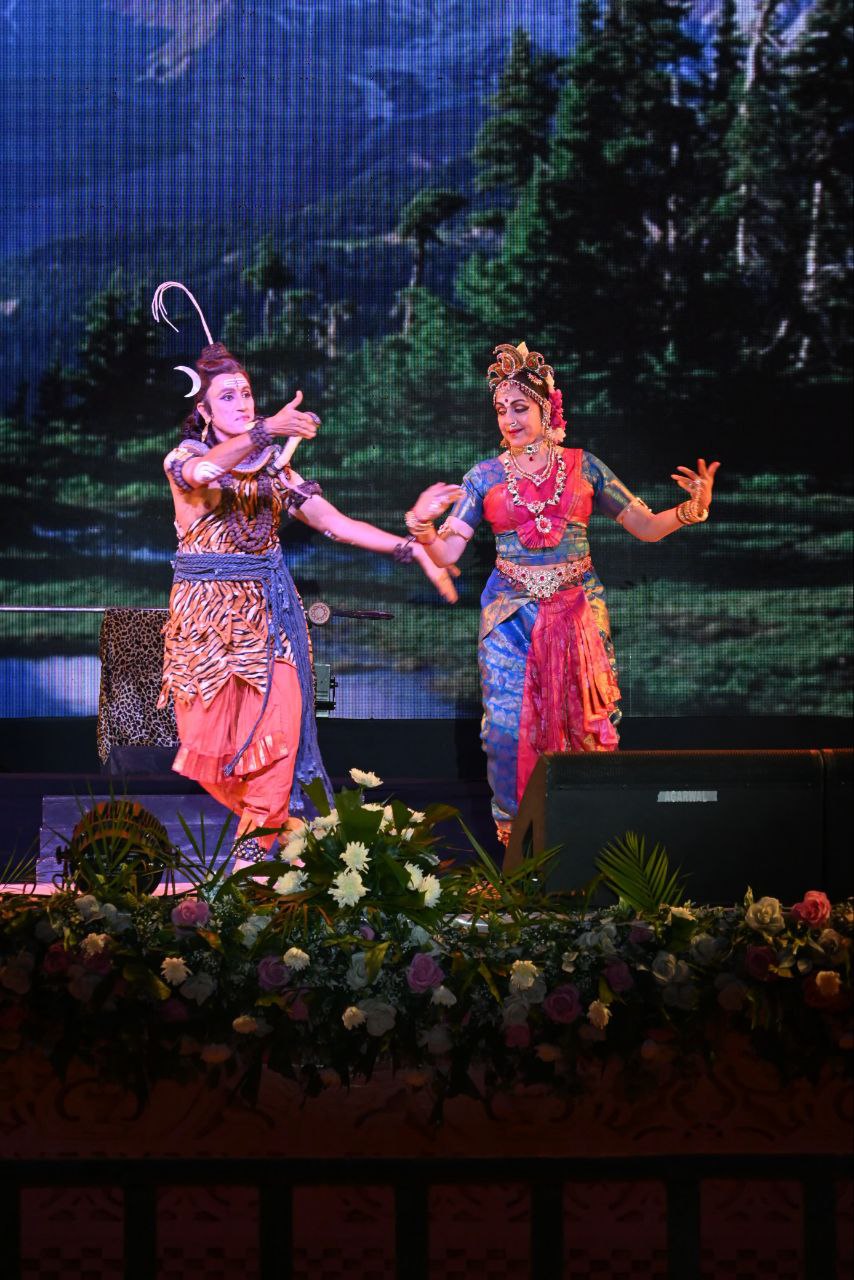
{"points": [[563, 1004], [814, 910], [517, 1036], [56, 960], [758, 962]]}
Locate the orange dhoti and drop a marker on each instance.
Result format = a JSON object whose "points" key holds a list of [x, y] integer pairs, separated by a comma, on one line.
{"points": [[259, 790]]}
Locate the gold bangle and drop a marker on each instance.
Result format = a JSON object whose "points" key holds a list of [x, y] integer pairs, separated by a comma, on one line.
{"points": [[689, 513], [416, 526]]}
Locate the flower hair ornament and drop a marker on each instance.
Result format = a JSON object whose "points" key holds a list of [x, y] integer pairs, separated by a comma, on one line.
{"points": [[528, 371]]}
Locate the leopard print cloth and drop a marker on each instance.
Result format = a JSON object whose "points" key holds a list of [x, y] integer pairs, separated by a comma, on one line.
{"points": [[131, 651]]}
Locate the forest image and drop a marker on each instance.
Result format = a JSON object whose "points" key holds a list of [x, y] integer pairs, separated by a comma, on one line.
{"points": [[653, 193]]}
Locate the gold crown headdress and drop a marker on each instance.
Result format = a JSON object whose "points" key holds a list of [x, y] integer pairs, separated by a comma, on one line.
{"points": [[519, 367]]}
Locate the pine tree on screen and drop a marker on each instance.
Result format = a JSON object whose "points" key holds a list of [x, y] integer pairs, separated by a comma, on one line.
{"points": [[819, 70]]}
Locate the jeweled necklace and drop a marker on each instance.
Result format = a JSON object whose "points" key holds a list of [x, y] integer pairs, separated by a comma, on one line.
{"points": [[536, 477], [542, 523]]}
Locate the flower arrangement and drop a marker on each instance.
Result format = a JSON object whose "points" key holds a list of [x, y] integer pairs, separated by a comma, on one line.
{"points": [[358, 945]]}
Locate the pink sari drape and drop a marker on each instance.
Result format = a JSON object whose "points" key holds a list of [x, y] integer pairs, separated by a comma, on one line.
{"points": [[570, 688]]}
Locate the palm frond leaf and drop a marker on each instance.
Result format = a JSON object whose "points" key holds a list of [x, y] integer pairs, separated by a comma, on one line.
{"points": [[644, 881]]}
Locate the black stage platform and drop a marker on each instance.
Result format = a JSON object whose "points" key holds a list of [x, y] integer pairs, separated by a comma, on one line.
{"points": [[420, 761]]}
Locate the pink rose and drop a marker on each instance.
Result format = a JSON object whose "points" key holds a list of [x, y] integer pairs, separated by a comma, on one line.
{"points": [[758, 962], [190, 913], [424, 973], [273, 974], [517, 1036], [563, 1004], [814, 910], [56, 960], [639, 934], [618, 976]]}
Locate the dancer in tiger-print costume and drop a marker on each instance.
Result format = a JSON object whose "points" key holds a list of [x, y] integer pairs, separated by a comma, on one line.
{"points": [[237, 660]]}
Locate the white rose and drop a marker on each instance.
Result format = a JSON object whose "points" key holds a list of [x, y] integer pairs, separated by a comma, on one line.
{"points": [[355, 856], [118, 921], [568, 961], [290, 883], [416, 875], [765, 916], [664, 967], [431, 888], [251, 928], [357, 974], [523, 974], [88, 907], [296, 959], [198, 987], [599, 1015], [347, 888], [363, 779], [379, 1016], [353, 1017], [437, 1039], [442, 996], [174, 971]]}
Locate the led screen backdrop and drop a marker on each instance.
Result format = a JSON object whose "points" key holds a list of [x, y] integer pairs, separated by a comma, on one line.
{"points": [[367, 196]]}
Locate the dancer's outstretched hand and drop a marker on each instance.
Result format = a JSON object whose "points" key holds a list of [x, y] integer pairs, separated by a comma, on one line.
{"points": [[442, 578], [433, 501], [699, 483], [290, 421]]}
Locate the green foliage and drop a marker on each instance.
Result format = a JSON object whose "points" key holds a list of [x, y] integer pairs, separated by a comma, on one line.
{"points": [[640, 880]]}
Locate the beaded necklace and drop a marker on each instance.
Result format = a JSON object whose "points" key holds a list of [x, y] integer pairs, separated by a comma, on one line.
{"points": [[542, 523], [249, 533]]}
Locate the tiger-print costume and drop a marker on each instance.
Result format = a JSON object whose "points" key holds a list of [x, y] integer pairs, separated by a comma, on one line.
{"points": [[218, 629]]}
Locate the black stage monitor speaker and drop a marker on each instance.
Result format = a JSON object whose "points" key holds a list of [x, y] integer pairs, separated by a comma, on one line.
{"points": [[729, 819]]}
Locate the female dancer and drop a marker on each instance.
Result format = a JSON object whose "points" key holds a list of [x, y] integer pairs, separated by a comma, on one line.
{"points": [[237, 660], [545, 655]]}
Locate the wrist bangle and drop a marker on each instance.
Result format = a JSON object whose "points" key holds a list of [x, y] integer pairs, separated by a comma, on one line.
{"points": [[689, 513], [259, 435], [404, 551], [422, 530]]}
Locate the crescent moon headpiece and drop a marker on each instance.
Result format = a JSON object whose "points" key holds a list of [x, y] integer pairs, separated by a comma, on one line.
{"points": [[158, 310]]}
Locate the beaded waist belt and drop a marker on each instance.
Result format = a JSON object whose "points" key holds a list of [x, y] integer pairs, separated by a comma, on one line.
{"points": [[542, 583]]}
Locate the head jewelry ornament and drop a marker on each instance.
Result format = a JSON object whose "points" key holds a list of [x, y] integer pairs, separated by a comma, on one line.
{"points": [[158, 310], [527, 370]]}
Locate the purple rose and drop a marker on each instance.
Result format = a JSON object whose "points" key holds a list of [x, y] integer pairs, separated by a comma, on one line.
{"points": [[367, 932], [100, 962], [190, 913], [424, 974], [273, 974], [174, 1010], [618, 976], [564, 1004], [296, 1008], [639, 934]]}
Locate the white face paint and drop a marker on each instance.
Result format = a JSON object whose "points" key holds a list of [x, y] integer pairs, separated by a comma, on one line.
{"points": [[230, 401]]}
